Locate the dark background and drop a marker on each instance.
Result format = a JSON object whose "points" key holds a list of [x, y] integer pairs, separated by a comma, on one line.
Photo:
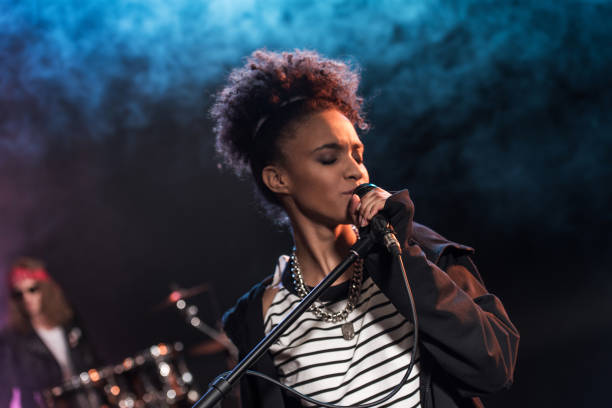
{"points": [[496, 116]]}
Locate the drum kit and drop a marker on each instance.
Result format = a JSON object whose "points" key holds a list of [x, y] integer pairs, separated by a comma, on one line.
{"points": [[157, 377]]}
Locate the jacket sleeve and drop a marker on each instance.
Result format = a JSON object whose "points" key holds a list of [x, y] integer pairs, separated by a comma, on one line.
{"points": [[236, 326], [82, 351], [462, 326], [6, 382], [243, 324]]}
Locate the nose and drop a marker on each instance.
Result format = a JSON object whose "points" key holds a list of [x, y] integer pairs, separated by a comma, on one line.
{"points": [[356, 171], [30, 297]]}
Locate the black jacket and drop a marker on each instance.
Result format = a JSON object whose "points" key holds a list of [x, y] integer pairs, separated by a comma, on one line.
{"points": [[468, 344], [28, 365]]}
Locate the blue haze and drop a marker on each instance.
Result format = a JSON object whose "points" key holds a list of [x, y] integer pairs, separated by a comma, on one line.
{"points": [[496, 114]]}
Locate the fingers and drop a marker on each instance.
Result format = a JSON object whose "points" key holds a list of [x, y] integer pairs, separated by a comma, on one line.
{"points": [[354, 206], [370, 204]]}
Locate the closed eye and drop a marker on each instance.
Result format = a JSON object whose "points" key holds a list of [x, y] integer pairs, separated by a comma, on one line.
{"points": [[328, 161]]}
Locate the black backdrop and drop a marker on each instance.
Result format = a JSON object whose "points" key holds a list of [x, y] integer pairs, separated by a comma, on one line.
{"points": [[496, 116]]}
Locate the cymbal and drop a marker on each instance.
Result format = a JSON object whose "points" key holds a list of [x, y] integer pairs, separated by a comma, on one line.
{"points": [[206, 348], [179, 294], [219, 343]]}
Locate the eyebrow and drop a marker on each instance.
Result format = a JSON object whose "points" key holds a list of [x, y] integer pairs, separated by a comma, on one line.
{"points": [[336, 146]]}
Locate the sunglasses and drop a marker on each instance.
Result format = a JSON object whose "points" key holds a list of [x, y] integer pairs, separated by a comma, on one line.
{"points": [[18, 294]]}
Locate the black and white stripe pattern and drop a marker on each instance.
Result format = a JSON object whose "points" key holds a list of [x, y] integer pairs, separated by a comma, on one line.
{"points": [[315, 359]]}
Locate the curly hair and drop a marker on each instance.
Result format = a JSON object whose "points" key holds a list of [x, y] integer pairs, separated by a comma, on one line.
{"points": [[267, 97], [54, 304]]}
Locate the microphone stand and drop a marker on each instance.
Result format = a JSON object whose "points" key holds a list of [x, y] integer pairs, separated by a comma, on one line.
{"points": [[223, 384]]}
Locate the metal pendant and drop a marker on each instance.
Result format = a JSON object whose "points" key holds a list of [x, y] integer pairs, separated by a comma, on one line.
{"points": [[348, 331]]}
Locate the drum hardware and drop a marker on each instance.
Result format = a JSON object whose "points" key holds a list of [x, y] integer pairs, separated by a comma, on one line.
{"points": [[219, 341], [157, 377], [189, 313], [180, 293]]}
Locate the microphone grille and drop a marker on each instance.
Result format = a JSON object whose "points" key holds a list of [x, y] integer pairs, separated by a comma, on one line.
{"points": [[363, 189]]}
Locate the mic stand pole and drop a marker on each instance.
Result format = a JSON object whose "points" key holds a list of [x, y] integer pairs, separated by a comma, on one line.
{"points": [[223, 384]]}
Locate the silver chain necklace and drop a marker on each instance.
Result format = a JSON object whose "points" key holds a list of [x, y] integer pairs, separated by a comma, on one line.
{"points": [[348, 331]]}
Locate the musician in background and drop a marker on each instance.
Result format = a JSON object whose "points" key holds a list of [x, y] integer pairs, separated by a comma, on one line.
{"points": [[42, 346]]}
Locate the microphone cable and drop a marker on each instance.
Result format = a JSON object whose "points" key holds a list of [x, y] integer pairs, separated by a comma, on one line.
{"points": [[391, 393]]}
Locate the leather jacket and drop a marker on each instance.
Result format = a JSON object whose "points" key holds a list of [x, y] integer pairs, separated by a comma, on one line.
{"points": [[29, 366]]}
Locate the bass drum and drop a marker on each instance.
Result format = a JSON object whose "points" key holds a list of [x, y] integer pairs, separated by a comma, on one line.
{"points": [[157, 377]]}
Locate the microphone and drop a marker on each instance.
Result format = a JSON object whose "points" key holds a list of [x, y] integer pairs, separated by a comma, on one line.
{"points": [[379, 224]]}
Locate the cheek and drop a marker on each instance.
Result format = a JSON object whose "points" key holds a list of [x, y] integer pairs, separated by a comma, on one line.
{"points": [[317, 188], [310, 180], [323, 183], [34, 302]]}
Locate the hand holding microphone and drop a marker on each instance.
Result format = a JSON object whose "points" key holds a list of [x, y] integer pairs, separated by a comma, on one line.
{"points": [[367, 202]]}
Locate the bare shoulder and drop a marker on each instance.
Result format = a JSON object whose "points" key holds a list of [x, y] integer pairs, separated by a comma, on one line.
{"points": [[268, 298]]}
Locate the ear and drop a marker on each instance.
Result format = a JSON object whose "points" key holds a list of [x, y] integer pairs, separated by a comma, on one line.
{"points": [[275, 178]]}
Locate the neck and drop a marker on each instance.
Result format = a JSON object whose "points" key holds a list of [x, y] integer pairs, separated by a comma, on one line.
{"points": [[321, 248], [40, 322]]}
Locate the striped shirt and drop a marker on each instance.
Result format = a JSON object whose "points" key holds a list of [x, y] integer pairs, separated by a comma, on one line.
{"points": [[314, 358]]}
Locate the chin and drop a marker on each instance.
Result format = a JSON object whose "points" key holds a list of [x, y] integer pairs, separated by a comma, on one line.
{"points": [[343, 221], [332, 219], [329, 220]]}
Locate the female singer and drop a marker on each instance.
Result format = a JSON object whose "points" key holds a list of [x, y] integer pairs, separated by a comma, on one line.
{"points": [[43, 346], [289, 120]]}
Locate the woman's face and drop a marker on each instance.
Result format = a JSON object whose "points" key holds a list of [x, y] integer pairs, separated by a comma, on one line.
{"points": [[323, 163], [28, 292]]}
